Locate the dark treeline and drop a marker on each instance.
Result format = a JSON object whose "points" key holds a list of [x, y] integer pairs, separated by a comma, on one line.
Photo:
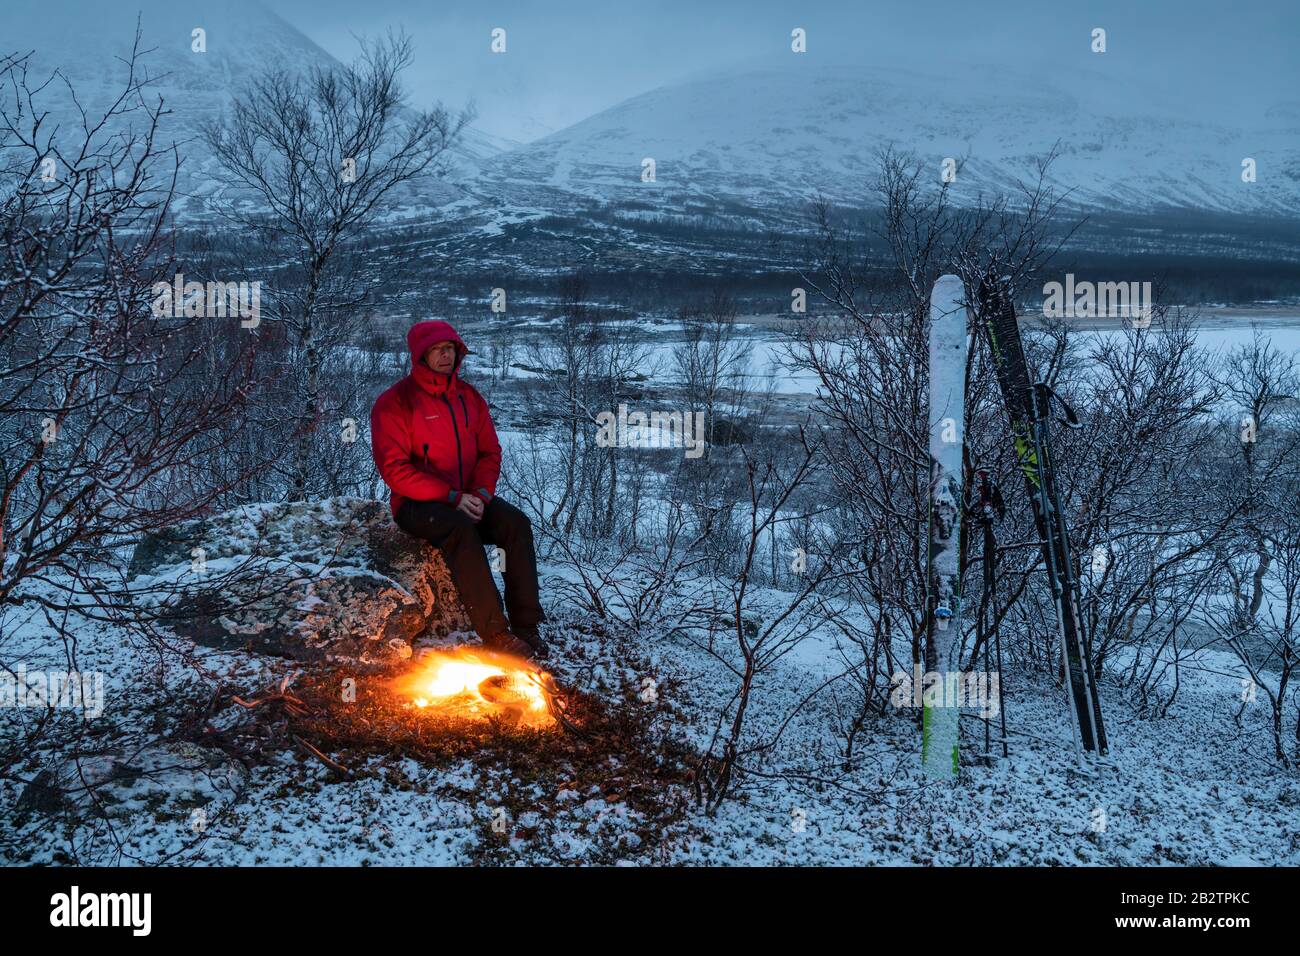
{"points": [[656, 265]]}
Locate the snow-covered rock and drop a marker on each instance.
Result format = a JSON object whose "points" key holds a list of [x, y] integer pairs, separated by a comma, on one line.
{"points": [[168, 779], [333, 580]]}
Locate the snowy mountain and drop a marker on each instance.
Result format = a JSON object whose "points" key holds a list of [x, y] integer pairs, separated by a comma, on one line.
{"points": [[749, 141], [87, 42], [770, 135]]}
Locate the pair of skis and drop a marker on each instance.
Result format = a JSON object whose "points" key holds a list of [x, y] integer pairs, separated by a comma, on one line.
{"points": [[1028, 408]]}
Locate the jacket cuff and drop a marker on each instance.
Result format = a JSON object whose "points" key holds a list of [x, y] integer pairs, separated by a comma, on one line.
{"points": [[453, 496], [484, 494]]}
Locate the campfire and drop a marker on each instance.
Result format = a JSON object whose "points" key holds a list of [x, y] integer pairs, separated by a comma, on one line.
{"points": [[477, 684]]}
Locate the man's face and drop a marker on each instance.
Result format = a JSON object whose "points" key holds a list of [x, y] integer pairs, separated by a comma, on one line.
{"points": [[441, 357]]}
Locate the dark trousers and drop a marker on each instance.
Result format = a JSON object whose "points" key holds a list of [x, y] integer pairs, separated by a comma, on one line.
{"points": [[461, 541]]}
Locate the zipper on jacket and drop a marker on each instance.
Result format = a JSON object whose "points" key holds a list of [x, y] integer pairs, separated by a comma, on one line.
{"points": [[426, 454], [460, 464], [464, 409]]}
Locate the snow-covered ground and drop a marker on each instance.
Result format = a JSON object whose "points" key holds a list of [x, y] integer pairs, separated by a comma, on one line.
{"points": [[1191, 788]]}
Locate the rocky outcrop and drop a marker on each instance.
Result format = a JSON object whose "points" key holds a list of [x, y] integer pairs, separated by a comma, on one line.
{"points": [[333, 580]]}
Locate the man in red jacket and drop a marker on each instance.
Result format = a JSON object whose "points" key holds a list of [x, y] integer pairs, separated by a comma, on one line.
{"points": [[433, 440]]}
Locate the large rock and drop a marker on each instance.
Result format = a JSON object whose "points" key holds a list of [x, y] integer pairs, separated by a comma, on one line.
{"points": [[332, 580]]}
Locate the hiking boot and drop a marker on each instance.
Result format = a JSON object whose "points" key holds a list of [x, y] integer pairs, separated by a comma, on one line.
{"points": [[508, 643], [531, 635]]}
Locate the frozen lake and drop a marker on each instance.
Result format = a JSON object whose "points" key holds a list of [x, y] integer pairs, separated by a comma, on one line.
{"points": [[1219, 334]]}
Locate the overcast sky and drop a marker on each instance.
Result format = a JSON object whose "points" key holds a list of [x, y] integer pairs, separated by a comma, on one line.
{"points": [[566, 59]]}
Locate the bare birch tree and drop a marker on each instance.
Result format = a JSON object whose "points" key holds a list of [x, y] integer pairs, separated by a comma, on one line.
{"points": [[314, 160]]}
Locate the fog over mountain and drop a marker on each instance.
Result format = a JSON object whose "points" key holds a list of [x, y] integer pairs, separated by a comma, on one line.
{"points": [[571, 60]]}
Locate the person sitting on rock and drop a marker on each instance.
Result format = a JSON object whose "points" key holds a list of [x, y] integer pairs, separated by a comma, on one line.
{"points": [[436, 448]]}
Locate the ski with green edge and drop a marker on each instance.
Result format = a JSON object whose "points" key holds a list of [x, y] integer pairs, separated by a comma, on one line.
{"points": [[1029, 410]]}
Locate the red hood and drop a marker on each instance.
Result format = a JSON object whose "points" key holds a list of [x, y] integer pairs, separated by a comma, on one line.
{"points": [[421, 336]]}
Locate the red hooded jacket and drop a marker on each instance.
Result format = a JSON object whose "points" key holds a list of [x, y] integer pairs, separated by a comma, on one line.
{"points": [[431, 434]]}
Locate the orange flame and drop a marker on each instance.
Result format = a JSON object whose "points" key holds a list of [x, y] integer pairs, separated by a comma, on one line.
{"points": [[474, 684]]}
